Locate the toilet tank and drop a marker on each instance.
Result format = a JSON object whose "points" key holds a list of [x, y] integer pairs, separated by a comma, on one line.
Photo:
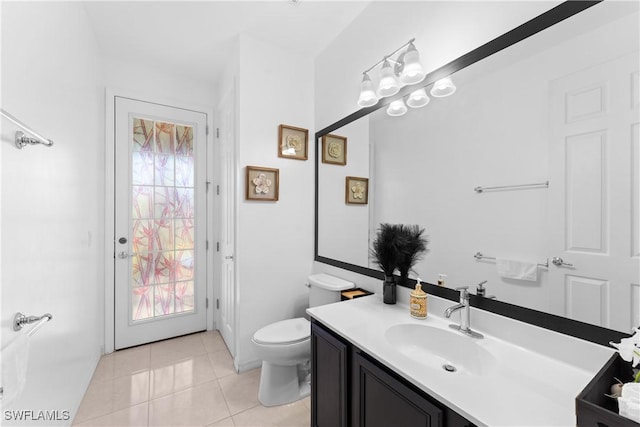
{"points": [[325, 289]]}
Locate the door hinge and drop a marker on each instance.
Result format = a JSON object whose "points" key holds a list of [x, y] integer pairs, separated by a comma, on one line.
{"points": [[217, 190], [217, 132], [207, 245], [207, 302], [208, 184], [217, 246], [217, 303], [206, 129]]}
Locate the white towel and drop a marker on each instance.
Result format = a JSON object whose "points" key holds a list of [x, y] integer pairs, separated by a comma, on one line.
{"points": [[14, 368], [517, 269], [629, 401]]}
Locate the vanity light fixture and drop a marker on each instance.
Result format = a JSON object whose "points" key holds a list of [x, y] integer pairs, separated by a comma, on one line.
{"points": [[397, 108], [405, 69]]}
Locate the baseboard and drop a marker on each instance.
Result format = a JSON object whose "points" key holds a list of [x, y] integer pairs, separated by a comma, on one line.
{"points": [[248, 366]]}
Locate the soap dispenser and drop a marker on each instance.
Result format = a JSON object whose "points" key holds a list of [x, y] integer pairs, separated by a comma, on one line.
{"points": [[481, 291], [441, 278], [418, 302]]}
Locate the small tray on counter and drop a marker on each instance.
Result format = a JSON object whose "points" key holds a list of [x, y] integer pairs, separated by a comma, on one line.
{"points": [[354, 293], [593, 408]]}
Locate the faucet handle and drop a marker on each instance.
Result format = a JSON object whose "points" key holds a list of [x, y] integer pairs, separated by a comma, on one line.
{"points": [[464, 292]]}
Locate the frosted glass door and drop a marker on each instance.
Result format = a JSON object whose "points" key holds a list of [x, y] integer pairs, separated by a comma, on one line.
{"points": [[160, 222]]}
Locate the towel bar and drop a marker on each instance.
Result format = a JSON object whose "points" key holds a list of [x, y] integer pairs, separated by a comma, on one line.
{"points": [[504, 187], [479, 256], [19, 320]]}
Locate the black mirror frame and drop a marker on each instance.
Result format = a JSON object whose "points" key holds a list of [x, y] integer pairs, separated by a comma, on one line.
{"points": [[585, 331]]}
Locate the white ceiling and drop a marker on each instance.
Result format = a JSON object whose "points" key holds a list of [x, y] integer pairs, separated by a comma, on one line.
{"points": [[195, 38]]}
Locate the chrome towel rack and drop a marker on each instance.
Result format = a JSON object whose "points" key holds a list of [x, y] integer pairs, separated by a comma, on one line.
{"points": [[479, 256], [21, 139], [509, 187], [19, 320]]}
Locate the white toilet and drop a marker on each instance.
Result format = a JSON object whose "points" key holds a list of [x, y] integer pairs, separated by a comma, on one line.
{"points": [[285, 346]]}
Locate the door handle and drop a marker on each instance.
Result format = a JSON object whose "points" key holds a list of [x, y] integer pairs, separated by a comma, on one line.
{"points": [[559, 262], [229, 257], [125, 255]]}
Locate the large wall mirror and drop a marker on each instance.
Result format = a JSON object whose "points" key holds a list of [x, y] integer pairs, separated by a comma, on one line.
{"points": [[559, 106]]}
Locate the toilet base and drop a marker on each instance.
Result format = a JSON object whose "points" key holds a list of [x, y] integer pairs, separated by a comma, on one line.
{"points": [[282, 384]]}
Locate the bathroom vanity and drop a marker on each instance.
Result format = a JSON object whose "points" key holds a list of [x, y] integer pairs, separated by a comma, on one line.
{"points": [[373, 365], [351, 388]]}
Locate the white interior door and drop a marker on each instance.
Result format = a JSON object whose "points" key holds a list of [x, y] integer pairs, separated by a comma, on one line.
{"points": [[160, 222], [594, 195], [226, 306]]}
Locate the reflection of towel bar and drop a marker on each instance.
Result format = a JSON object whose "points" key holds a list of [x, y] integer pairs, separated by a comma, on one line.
{"points": [[19, 320], [479, 256], [503, 187]]}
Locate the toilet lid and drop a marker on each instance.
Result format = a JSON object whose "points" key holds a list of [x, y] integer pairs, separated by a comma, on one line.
{"points": [[284, 332]]}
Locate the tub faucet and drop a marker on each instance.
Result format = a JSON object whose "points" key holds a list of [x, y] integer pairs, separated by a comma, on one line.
{"points": [[465, 315]]}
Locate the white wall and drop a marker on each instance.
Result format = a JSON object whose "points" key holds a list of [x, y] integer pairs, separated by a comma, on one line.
{"points": [[154, 82], [274, 245], [52, 198]]}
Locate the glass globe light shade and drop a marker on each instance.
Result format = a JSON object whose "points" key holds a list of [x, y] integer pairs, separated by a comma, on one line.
{"points": [[368, 95], [443, 87], [389, 84], [418, 98], [397, 108], [412, 71]]}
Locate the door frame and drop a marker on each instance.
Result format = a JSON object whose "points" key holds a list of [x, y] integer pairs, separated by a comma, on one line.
{"points": [[229, 93], [109, 205]]}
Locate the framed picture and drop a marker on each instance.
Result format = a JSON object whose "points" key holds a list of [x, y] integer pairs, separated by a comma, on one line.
{"points": [[334, 150], [356, 190], [292, 142], [262, 183]]}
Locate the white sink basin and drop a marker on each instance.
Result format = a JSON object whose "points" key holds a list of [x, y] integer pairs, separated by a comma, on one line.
{"points": [[439, 348]]}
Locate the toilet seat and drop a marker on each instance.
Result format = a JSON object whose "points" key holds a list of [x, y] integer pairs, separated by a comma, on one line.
{"points": [[288, 331]]}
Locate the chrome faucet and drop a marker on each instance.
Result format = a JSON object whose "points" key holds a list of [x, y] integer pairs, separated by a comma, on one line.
{"points": [[465, 315]]}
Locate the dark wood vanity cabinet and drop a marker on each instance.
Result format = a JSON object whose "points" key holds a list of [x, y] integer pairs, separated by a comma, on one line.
{"points": [[350, 388], [329, 381], [380, 400]]}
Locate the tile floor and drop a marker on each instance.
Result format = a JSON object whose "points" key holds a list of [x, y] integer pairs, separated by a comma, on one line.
{"points": [[185, 381]]}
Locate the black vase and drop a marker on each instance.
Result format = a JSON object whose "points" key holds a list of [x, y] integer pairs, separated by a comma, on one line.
{"points": [[403, 280], [389, 290]]}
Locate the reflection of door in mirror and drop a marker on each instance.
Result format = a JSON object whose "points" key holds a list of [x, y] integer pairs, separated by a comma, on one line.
{"points": [[594, 197]]}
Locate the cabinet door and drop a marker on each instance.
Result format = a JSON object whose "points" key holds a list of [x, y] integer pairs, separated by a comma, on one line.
{"points": [[381, 400], [328, 379]]}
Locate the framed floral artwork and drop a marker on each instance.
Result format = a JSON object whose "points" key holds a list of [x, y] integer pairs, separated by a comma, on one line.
{"points": [[292, 142], [356, 190], [334, 150], [262, 183]]}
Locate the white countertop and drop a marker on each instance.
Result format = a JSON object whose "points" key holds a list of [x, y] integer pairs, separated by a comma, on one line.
{"points": [[522, 385]]}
